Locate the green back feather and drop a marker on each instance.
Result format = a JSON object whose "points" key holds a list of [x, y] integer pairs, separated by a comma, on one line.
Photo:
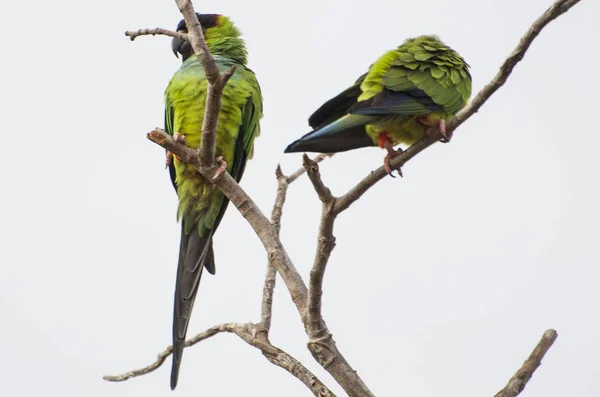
{"points": [[420, 65]]}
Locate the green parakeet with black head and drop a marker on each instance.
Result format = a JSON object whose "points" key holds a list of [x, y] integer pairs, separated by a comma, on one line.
{"points": [[405, 93], [201, 205]]}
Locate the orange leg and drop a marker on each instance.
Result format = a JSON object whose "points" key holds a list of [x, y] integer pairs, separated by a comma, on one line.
{"points": [[386, 143]]}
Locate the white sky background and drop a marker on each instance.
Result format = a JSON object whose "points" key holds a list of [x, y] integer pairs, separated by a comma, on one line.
{"points": [[441, 283]]}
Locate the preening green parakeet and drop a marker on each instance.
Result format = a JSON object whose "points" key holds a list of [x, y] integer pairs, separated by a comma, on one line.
{"points": [[201, 206], [405, 93]]}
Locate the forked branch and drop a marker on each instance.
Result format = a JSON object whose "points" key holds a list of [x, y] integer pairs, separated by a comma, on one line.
{"points": [[249, 333]]}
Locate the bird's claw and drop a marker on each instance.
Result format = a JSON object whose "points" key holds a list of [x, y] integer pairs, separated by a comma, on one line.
{"points": [[386, 161], [179, 137], [446, 135], [222, 167]]}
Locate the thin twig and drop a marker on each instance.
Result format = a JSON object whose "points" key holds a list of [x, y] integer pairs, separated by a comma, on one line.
{"points": [[267, 299], [517, 383], [302, 170], [162, 356], [270, 279], [312, 169], [320, 338], [317, 330], [156, 31], [557, 9], [248, 333], [282, 186]]}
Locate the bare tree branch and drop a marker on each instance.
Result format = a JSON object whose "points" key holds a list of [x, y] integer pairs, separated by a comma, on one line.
{"points": [[312, 169], [248, 333], [249, 210], [162, 356], [157, 31], [317, 330], [517, 383], [267, 299], [326, 352], [270, 278], [558, 8], [302, 170], [282, 187]]}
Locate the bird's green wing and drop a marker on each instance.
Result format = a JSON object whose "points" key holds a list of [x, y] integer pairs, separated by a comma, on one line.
{"points": [[423, 78], [249, 128], [169, 114], [248, 131]]}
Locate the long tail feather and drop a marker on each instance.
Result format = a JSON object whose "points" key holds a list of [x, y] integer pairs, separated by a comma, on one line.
{"points": [[346, 133], [195, 253]]}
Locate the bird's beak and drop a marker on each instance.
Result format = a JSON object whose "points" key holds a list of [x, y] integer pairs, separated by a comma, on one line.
{"points": [[176, 44]]}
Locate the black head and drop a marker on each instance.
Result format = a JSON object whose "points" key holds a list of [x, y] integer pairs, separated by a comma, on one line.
{"points": [[183, 47]]}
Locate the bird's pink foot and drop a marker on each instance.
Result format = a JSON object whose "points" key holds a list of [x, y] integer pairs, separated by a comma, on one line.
{"points": [[222, 167], [385, 142], [441, 124], [169, 159], [178, 138], [386, 162]]}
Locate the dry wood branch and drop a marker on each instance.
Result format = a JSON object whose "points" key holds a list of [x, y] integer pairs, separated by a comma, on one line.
{"points": [[212, 331], [321, 343], [248, 333], [270, 278], [325, 351], [296, 368], [517, 383], [312, 168], [267, 299], [156, 31], [249, 210], [282, 187], [302, 170], [317, 330], [558, 8]]}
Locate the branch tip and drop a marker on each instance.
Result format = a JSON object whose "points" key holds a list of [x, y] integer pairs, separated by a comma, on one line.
{"points": [[312, 169], [517, 383]]}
